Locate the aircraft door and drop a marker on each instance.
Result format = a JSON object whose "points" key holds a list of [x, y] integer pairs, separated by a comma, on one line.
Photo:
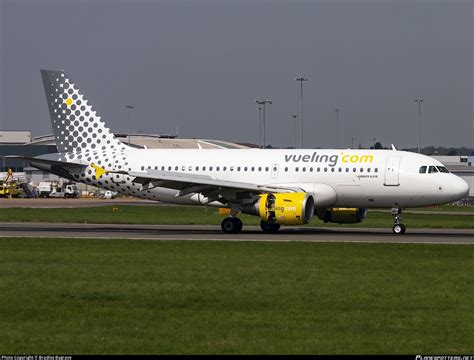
{"points": [[274, 170], [392, 171]]}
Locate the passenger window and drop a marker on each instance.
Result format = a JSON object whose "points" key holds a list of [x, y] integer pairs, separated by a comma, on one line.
{"points": [[368, 170], [169, 168], [259, 168], [432, 169], [217, 168], [197, 168], [304, 169], [376, 170], [347, 169], [266, 169], [183, 168], [361, 170], [340, 169], [210, 168], [354, 169], [422, 169], [286, 169], [325, 169], [224, 168], [238, 168], [296, 169], [245, 168], [332, 169], [253, 168], [310, 169]]}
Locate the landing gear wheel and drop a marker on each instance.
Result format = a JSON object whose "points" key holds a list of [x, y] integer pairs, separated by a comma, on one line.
{"points": [[231, 225], [399, 229], [269, 227]]}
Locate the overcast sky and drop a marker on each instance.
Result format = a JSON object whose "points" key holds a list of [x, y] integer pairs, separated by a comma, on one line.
{"points": [[198, 66]]}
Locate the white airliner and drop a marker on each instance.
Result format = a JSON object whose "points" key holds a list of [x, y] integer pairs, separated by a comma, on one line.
{"points": [[282, 187]]}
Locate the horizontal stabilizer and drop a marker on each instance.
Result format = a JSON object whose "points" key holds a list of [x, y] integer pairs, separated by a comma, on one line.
{"points": [[40, 160]]}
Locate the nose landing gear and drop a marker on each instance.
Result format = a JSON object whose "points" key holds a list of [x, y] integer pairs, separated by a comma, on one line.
{"points": [[398, 228]]}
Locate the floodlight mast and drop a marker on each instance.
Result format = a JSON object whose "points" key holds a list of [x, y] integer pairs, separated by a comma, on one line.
{"points": [[263, 103], [301, 79]]}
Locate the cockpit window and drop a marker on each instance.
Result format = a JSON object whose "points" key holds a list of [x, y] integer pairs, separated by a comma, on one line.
{"points": [[422, 169], [432, 170], [442, 169]]}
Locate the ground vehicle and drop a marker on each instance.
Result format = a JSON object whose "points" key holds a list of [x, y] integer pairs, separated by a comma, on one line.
{"points": [[71, 191], [9, 189], [109, 194], [45, 188], [66, 190]]}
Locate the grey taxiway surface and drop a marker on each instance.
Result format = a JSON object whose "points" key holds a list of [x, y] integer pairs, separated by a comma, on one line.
{"points": [[214, 233]]}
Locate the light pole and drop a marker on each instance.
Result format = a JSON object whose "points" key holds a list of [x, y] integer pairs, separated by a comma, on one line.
{"points": [[301, 79], [129, 107], [337, 126], [419, 101], [259, 126], [294, 116], [263, 102]]}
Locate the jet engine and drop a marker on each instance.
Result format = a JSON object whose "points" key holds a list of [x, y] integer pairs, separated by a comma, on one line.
{"points": [[342, 215], [283, 208]]}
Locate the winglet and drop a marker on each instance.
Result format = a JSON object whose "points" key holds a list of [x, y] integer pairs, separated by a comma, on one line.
{"points": [[394, 148]]}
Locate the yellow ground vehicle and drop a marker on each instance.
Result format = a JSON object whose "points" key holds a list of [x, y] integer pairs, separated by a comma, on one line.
{"points": [[7, 189]]}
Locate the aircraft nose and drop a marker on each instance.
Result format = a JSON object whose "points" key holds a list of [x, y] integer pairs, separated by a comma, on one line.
{"points": [[460, 188]]}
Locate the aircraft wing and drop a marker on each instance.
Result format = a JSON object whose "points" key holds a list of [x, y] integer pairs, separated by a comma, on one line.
{"points": [[196, 183]]}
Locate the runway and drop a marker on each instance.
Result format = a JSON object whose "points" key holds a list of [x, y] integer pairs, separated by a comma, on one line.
{"points": [[214, 233]]}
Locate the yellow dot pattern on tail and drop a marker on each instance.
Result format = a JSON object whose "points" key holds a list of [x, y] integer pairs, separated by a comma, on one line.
{"points": [[98, 171]]}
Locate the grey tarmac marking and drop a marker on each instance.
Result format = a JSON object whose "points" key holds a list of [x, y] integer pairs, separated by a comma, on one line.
{"points": [[250, 233]]}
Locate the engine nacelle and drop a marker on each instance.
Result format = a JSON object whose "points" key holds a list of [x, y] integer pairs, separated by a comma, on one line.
{"points": [[342, 215], [283, 208]]}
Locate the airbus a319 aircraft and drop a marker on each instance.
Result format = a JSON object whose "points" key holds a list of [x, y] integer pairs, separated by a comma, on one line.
{"points": [[282, 187]]}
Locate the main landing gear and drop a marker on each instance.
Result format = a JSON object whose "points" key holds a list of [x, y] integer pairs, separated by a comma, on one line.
{"points": [[269, 227], [231, 225], [398, 228]]}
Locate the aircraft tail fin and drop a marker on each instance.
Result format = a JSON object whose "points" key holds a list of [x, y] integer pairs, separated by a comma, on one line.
{"points": [[77, 127]]}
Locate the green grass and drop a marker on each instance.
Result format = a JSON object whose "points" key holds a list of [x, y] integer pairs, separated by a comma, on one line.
{"points": [[455, 208], [172, 215], [180, 297]]}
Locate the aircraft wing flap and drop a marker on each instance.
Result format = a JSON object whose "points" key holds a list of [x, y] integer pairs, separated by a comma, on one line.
{"points": [[182, 181]]}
